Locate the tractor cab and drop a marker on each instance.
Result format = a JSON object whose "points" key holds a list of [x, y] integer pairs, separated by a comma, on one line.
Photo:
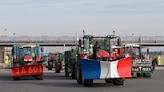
{"points": [[97, 47], [134, 50], [26, 54]]}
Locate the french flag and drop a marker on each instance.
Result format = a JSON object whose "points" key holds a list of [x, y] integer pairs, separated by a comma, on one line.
{"points": [[95, 69]]}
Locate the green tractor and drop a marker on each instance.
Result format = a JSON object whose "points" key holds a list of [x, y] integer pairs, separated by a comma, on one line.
{"points": [[70, 57], [141, 63], [55, 61]]}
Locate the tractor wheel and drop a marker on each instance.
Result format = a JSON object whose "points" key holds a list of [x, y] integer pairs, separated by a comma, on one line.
{"points": [[39, 77], [66, 74], [49, 68], [57, 69], [108, 81], [16, 78], [88, 82], [74, 73], [118, 81], [50, 65], [138, 74], [79, 76]]}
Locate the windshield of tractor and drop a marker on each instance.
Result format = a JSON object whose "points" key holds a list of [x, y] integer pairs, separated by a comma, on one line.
{"points": [[53, 56], [107, 45], [25, 51], [104, 43], [86, 44], [134, 52]]}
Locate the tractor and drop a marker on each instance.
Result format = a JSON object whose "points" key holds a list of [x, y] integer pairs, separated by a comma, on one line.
{"points": [[96, 59], [27, 61], [55, 61], [141, 63]]}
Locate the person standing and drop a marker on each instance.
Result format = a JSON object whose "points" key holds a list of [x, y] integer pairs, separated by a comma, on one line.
{"points": [[154, 62], [6, 59]]}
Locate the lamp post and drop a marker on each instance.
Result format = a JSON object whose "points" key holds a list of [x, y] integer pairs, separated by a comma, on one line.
{"points": [[13, 52]]}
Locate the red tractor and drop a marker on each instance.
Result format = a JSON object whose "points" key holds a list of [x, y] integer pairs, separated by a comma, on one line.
{"points": [[27, 61], [55, 61], [98, 59]]}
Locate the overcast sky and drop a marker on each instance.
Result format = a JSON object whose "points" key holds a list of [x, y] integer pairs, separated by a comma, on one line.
{"points": [[70, 17]]}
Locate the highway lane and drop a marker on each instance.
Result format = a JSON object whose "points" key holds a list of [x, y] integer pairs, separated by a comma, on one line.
{"points": [[58, 83]]}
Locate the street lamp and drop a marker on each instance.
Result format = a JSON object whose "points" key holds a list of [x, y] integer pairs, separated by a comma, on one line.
{"points": [[13, 52]]}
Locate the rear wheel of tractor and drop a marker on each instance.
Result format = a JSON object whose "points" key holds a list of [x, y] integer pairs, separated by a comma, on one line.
{"points": [[57, 69], [67, 74], [138, 74], [50, 65], [118, 81], [39, 77], [49, 68], [108, 81], [74, 72], [79, 77], [16, 78], [88, 82], [66, 70]]}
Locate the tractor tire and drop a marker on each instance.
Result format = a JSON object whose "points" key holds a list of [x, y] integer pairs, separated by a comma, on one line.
{"points": [[66, 74], [50, 65], [49, 68], [88, 82], [39, 77], [118, 81], [57, 69], [79, 77], [74, 72], [16, 78], [108, 81], [138, 74], [66, 71]]}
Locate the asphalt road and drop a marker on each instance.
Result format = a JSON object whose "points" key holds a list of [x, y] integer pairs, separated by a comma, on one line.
{"points": [[58, 83]]}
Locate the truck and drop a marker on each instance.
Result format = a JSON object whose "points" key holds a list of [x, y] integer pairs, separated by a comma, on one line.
{"points": [[55, 60], [96, 60], [27, 61], [141, 63]]}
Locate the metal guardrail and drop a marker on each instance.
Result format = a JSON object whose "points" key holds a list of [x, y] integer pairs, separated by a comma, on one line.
{"points": [[146, 40]]}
